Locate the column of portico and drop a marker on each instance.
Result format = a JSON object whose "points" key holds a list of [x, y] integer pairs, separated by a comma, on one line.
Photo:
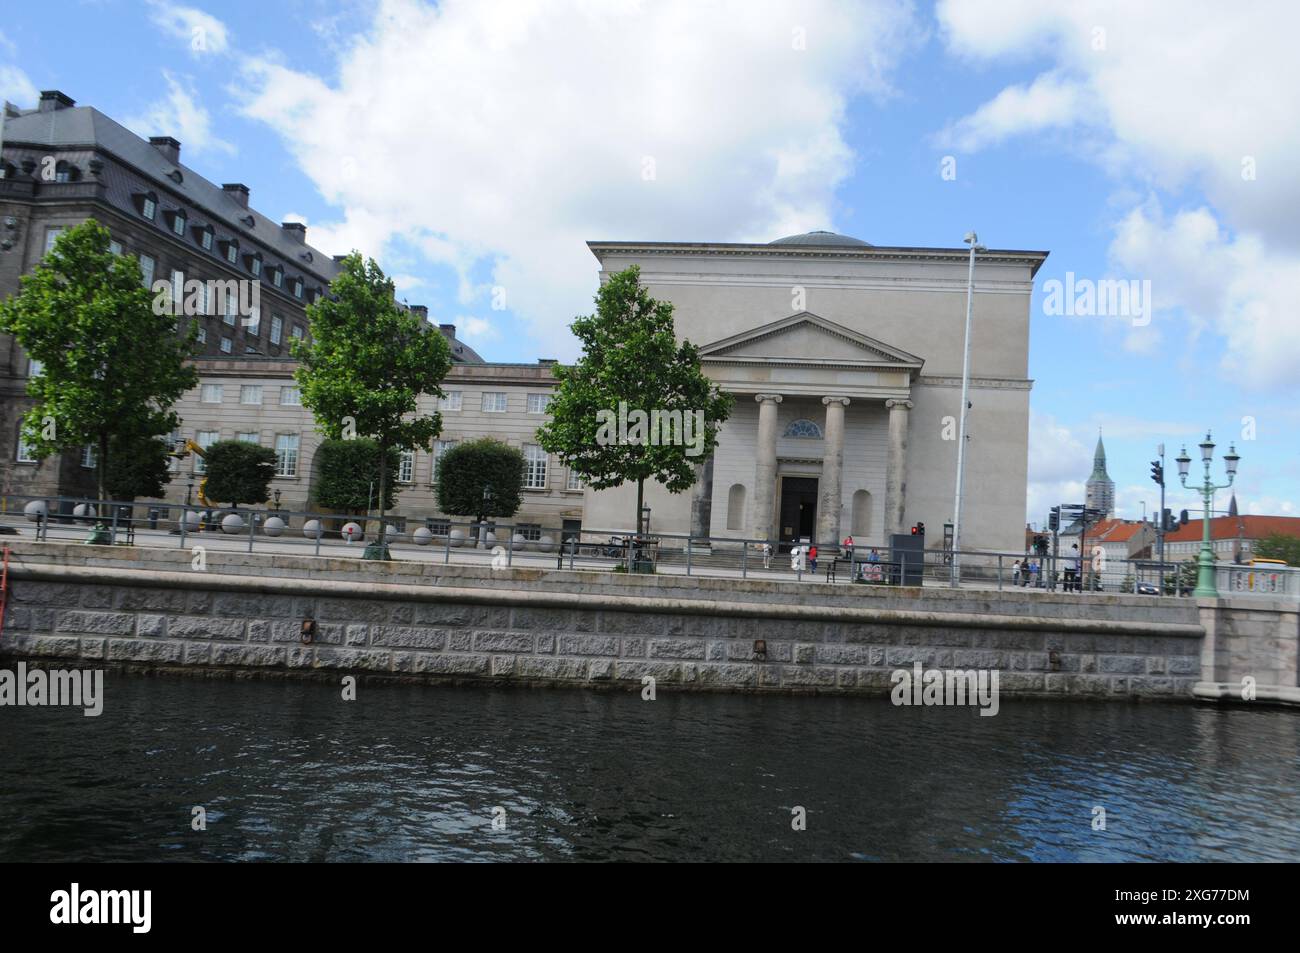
{"points": [[828, 511], [760, 522], [896, 472]]}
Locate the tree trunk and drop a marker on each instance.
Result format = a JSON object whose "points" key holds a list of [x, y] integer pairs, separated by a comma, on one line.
{"points": [[640, 498], [101, 470]]}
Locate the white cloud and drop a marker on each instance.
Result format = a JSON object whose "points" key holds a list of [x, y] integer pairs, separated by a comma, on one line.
{"points": [[1239, 288], [182, 116], [511, 133], [1169, 96], [202, 32], [16, 87], [1059, 464], [1050, 101], [471, 328], [295, 217]]}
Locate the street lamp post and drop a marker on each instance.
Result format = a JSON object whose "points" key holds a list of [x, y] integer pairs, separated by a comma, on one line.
{"points": [[955, 571], [1205, 586]]}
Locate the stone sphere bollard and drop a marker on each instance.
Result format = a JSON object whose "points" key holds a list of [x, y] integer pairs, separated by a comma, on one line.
{"points": [[546, 544], [191, 520], [311, 529], [84, 512], [273, 526], [36, 510], [518, 542], [352, 532], [423, 536], [232, 523], [457, 537], [489, 540]]}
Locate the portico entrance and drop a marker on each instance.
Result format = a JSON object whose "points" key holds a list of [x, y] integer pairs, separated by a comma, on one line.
{"points": [[798, 510]]}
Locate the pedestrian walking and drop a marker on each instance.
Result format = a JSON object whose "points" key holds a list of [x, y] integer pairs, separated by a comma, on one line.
{"points": [[767, 555], [1015, 573], [812, 557]]}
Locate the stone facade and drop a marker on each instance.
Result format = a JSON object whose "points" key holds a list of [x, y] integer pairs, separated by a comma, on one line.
{"points": [[245, 613], [845, 360]]}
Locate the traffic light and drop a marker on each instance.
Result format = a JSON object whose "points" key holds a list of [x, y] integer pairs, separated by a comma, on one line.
{"points": [[1182, 519], [918, 529], [1158, 472], [1054, 519], [1167, 521]]}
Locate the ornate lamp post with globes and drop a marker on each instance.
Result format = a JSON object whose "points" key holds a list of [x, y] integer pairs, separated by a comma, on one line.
{"points": [[1205, 576]]}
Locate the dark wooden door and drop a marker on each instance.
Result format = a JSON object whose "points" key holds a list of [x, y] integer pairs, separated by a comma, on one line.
{"points": [[798, 510]]}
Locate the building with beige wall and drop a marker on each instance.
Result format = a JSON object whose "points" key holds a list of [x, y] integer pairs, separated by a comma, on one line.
{"points": [[845, 360]]}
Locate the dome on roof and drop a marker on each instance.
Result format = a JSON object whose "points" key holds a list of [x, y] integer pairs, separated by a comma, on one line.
{"points": [[822, 238]]}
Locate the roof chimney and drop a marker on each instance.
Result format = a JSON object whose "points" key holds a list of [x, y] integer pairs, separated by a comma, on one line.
{"points": [[52, 99], [237, 191], [168, 146], [448, 329], [421, 311], [296, 231]]}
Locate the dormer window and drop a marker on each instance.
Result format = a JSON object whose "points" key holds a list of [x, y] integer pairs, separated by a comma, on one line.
{"points": [[297, 287], [277, 276], [177, 220], [147, 203], [64, 172], [255, 265], [206, 237], [231, 251]]}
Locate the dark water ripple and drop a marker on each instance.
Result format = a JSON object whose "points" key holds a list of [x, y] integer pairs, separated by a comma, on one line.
{"points": [[290, 772]]}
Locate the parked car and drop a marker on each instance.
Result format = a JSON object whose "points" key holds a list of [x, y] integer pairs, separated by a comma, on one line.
{"points": [[1148, 589]]}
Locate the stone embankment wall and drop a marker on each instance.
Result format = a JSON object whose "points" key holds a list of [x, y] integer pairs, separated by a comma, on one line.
{"points": [[245, 612]]}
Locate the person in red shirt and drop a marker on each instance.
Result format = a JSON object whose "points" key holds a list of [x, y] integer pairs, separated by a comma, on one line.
{"points": [[812, 557]]}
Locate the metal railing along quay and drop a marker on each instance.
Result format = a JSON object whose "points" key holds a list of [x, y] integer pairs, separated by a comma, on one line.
{"points": [[504, 544]]}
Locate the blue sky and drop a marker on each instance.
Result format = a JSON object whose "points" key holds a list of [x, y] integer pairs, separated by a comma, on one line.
{"points": [[473, 147]]}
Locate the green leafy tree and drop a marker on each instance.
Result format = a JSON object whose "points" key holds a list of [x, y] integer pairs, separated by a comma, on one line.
{"points": [[631, 361], [239, 472], [366, 366], [1279, 546], [111, 366], [346, 476], [480, 478], [138, 466]]}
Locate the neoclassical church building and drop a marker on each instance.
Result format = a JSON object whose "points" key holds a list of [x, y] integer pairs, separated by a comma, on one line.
{"points": [[845, 359]]}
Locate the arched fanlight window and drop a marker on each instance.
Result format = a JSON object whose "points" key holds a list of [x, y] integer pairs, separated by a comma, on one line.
{"points": [[804, 429]]}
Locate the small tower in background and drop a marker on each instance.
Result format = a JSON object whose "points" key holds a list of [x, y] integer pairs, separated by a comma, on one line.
{"points": [[1099, 493]]}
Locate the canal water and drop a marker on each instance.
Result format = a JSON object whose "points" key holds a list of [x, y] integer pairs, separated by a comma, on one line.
{"points": [[290, 771]]}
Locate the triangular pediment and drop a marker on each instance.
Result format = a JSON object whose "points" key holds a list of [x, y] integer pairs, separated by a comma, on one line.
{"points": [[808, 338]]}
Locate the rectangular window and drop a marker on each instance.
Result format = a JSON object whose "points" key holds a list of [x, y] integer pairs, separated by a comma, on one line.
{"points": [[296, 333], [290, 397], [277, 277], [250, 393], [205, 297], [24, 454], [297, 287], [227, 345], [230, 309], [203, 335], [438, 527], [406, 467], [178, 291], [210, 394], [256, 267], [575, 480], [232, 253], [253, 321], [178, 224], [89, 456], [52, 236], [451, 400], [115, 247], [286, 454], [146, 270], [439, 448], [34, 367], [205, 239], [248, 436], [529, 531], [148, 207], [535, 460], [537, 403], [494, 403], [205, 439], [277, 328]]}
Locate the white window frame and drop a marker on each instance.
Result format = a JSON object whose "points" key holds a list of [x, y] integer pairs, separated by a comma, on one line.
{"points": [[249, 391], [249, 436], [227, 346], [207, 390], [23, 450], [52, 234], [451, 400], [293, 393], [440, 447], [89, 457], [147, 272], [406, 467], [537, 463], [287, 446], [494, 409], [205, 439], [277, 328], [537, 403]]}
